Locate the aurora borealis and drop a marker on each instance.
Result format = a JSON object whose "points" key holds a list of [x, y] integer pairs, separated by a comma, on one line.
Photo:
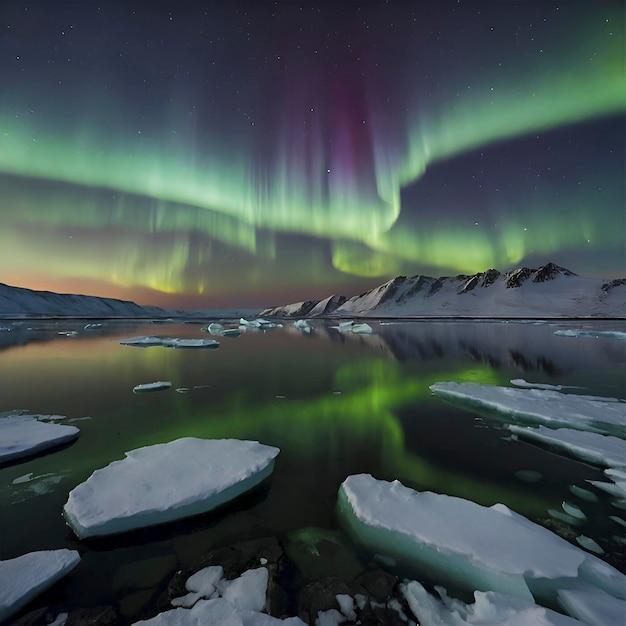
{"points": [[204, 154]]}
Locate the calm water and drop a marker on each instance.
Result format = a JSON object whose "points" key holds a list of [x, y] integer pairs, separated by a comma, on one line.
{"points": [[334, 404]]}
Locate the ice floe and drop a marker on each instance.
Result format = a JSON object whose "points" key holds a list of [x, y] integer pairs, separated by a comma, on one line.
{"points": [[595, 334], [147, 341], [538, 406], [468, 547], [303, 325], [618, 485], [520, 382], [25, 577], [166, 482], [597, 449], [155, 386], [25, 435], [362, 329], [219, 330], [259, 324]]}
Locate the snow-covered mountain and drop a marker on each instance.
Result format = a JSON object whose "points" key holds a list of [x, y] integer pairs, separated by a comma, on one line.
{"points": [[549, 291], [16, 301]]}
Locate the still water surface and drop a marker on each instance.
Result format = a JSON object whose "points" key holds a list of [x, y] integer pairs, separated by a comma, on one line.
{"points": [[334, 404]]}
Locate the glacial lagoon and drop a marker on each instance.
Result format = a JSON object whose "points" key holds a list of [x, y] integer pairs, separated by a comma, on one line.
{"points": [[335, 403]]}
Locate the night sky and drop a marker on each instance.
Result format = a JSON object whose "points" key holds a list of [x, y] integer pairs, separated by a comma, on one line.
{"points": [[230, 153]]}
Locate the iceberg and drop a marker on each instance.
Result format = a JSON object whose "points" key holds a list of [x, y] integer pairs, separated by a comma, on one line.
{"points": [[25, 577], [165, 482], [467, 547], [601, 450], [547, 407], [156, 386], [25, 435], [362, 329]]}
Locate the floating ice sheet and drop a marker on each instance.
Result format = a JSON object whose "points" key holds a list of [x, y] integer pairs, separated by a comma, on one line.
{"points": [[25, 577], [25, 435], [155, 386], [595, 334], [538, 406], [465, 546], [597, 449], [165, 482], [146, 341]]}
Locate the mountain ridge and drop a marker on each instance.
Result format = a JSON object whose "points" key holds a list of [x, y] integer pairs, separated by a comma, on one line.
{"points": [[546, 291]]}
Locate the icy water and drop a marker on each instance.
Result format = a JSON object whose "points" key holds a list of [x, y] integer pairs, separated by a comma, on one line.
{"points": [[335, 404]]}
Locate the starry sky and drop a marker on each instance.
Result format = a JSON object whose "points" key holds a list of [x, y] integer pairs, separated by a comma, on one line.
{"points": [[251, 153]]}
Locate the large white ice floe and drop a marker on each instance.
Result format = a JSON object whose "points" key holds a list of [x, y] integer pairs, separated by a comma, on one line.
{"points": [[146, 341], [166, 482], [488, 609], [25, 577], [539, 406], [25, 435], [597, 449], [214, 600], [468, 547]]}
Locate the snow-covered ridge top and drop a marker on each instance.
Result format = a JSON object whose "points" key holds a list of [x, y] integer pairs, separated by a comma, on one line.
{"points": [[548, 291], [24, 302]]}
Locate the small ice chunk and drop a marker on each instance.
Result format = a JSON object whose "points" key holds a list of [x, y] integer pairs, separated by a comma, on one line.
{"points": [[583, 494], [216, 329], [204, 582], [188, 600], [25, 577], [331, 617], [573, 510], [25, 435], [617, 487], [563, 517], [362, 329], [191, 343], [248, 592], [155, 386], [231, 332], [23, 479], [618, 520], [166, 482], [142, 340], [589, 544], [529, 476], [346, 606]]}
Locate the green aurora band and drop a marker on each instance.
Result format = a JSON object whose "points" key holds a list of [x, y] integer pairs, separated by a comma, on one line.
{"points": [[303, 188]]}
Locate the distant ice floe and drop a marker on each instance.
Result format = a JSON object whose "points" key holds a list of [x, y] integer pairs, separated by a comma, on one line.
{"points": [[169, 342], [595, 334], [27, 576], [601, 450], [155, 386], [25, 435], [220, 331], [258, 324], [537, 406], [166, 482], [350, 327], [465, 546]]}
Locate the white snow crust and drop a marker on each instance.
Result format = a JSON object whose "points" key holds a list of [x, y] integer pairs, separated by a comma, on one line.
{"points": [[24, 435], [550, 408], [465, 546], [25, 577], [165, 482], [215, 601]]}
